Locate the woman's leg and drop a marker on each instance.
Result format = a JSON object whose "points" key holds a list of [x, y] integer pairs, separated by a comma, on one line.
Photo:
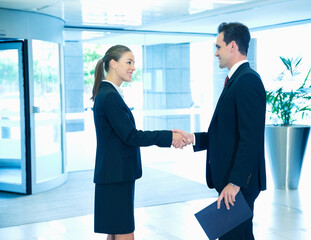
{"points": [[129, 236], [111, 237]]}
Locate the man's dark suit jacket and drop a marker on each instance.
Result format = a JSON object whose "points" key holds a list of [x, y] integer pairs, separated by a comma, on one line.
{"points": [[118, 141], [235, 138]]}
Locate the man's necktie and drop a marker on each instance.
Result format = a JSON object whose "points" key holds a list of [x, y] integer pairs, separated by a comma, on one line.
{"points": [[226, 80]]}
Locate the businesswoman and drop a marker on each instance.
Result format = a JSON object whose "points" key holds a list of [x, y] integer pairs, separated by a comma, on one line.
{"points": [[118, 160]]}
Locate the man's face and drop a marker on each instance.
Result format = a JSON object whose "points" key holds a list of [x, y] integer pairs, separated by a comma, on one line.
{"points": [[222, 51]]}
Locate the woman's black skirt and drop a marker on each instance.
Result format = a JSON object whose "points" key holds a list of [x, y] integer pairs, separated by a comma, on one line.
{"points": [[114, 208]]}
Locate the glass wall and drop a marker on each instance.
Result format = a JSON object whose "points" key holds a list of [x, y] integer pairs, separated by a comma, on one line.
{"points": [[288, 42], [172, 87]]}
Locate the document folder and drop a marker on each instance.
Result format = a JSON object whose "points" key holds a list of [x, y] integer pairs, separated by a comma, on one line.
{"points": [[217, 222]]}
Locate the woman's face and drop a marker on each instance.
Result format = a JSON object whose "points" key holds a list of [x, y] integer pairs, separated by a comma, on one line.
{"points": [[125, 67]]}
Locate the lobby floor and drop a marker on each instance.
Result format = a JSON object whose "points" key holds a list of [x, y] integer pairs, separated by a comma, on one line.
{"points": [[278, 215]]}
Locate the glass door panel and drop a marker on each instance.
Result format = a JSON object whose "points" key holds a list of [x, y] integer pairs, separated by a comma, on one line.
{"points": [[47, 111], [12, 119]]}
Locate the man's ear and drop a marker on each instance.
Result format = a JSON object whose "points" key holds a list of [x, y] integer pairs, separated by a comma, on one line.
{"points": [[234, 46]]}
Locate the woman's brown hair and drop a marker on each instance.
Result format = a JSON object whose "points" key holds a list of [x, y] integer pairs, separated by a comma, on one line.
{"points": [[114, 53]]}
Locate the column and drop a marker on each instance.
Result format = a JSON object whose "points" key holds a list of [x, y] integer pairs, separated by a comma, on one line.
{"points": [[74, 86], [167, 97]]}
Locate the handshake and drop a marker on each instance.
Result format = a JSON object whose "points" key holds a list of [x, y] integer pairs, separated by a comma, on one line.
{"points": [[181, 138]]}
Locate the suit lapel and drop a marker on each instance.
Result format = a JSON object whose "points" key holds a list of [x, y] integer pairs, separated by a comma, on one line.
{"points": [[108, 85], [229, 83]]}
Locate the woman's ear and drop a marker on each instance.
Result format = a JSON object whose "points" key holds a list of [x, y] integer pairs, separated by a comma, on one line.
{"points": [[113, 63]]}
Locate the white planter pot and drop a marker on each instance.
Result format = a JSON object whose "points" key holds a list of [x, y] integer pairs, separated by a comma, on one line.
{"points": [[286, 148]]}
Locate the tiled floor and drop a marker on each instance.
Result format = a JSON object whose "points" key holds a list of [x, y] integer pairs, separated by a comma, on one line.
{"points": [[279, 215]]}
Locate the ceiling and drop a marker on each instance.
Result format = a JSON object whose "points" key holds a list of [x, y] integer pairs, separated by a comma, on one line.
{"points": [[102, 19]]}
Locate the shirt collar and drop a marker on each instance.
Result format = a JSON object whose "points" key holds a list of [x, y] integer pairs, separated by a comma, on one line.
{"points": [[235, 67], [120, 91]]}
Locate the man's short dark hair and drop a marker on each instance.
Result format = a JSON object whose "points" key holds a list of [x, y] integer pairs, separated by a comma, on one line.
{"points": [[237, 32]]}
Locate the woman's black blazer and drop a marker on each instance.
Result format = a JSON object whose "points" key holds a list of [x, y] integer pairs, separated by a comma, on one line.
{"points": [[118, 154]]}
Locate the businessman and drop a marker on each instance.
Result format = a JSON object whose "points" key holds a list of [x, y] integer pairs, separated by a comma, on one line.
{"points": [[235, 138]]}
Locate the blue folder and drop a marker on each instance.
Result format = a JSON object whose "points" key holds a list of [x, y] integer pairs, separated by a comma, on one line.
{"points": [[217, 222]]}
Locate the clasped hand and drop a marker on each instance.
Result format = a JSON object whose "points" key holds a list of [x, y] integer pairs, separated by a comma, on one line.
{"points": [[181, 138]]}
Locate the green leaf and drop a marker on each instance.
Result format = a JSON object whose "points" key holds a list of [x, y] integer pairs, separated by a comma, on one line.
{"points": [[286, 105]]}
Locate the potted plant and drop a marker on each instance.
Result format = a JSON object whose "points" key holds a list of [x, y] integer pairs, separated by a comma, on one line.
{"points": [[285, 141]]}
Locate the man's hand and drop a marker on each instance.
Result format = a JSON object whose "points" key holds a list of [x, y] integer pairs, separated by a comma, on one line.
{"points": [[188, 136], [179, 141], [228, 195]]}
